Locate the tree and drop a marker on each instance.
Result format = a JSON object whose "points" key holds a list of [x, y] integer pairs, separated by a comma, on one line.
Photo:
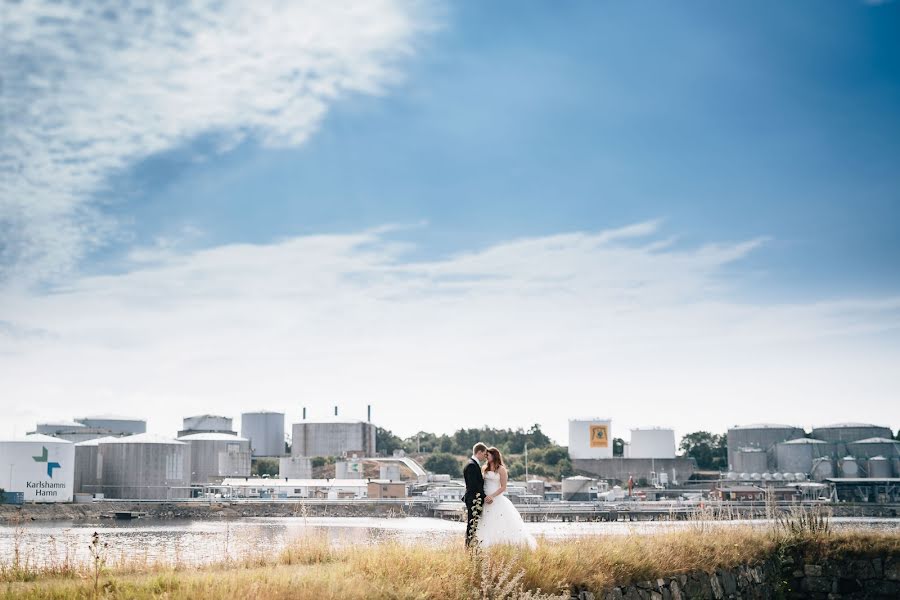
{"points": [[386, 442], [443, 463], [264, 466], [618, 447], [709, 450]]}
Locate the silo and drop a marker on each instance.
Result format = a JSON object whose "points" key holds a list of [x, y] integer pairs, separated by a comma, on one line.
{"points": [[849, 467], [798, 455], [577, 488], [763, 436], [114, 425], [750, 460], [590, 438], [87, 466], [337, 436], [879, 467], [217, 455], [823, 468], [206, 424], [40, 467], [265, 430], [295, 467], [652, 442], [145, 467], [871, 447]]}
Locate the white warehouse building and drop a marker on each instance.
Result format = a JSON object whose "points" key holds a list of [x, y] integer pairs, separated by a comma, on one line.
{"points": [[40, 467]]}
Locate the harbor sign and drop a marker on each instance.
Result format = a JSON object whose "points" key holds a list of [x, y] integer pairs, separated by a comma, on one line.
{"points": [[40, 467]]}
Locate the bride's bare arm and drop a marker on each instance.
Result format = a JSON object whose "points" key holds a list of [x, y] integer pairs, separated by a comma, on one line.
{"points": [[504, 477]]}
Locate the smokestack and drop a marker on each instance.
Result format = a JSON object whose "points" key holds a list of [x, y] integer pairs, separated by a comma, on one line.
{"points": [[369, 407], [335, 411], [304, 413]]}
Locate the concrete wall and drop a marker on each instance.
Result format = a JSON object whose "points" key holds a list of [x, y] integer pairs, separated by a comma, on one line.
{"points": [[621, 468]]}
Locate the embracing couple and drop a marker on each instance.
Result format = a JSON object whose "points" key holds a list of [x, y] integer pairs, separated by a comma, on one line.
{"points": [[491, 517]]}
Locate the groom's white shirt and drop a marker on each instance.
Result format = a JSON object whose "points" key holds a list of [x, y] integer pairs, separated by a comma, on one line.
{"points": [[475, 459]]}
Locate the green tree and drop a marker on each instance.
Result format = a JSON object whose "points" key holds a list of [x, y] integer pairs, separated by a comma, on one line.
{"points": [[443, 463], [618, 447], [709, 450], [386, 442], [264, 466]]}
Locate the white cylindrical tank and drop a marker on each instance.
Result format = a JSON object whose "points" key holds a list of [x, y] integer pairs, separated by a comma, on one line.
{"points": [[590, 438], [265, 430], [41, 467], [879, 467], [823, 468], [217, 455], [206, 424], [145, 467], [53, 427], [652, 442], [750, 460], [849, 467]]}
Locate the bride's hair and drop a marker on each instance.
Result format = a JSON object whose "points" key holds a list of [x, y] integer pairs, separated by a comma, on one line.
{"points": [[495, 460]]}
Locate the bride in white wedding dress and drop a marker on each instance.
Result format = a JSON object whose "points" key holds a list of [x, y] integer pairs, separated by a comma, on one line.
{"points": [[500, 522]]}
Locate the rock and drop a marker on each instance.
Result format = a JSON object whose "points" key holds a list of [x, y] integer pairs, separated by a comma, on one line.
{"points": [[675, 589], [845, 585], [615, 594], [811, 571], [729, 583], [892, 569], [862, 569], [654, 595], [882, 588], [716, 587], [817, 584], [632, 593]]}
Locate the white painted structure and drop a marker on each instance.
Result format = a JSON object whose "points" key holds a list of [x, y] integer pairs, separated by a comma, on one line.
{"points": [[333, 489], [590, 438], [652, 442], [39, 466]]}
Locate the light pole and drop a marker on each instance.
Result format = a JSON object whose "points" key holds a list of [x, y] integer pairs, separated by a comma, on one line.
{"points": [[526, 464]]}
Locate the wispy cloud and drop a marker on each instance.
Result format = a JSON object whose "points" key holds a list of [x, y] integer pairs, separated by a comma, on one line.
{"points": [[91, 88], [529, 330]]}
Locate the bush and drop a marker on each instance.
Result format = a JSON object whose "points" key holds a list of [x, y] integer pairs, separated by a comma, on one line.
{"points": [[264, 466], [443, 463]]}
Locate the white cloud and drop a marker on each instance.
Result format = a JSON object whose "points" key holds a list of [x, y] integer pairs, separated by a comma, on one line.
{"points": [[531, 330], [90, 88]]}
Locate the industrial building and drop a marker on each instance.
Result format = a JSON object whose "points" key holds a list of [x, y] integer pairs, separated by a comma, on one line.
{"points": [[37, 468], [333, 489], [207, 424], [215, 456], [89, 428], [87, 466], [337, 436], [650, 454], [145, 467], [265, 430]]}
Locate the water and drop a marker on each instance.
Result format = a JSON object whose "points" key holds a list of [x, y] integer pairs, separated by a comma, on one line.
{"points": [[198, 542]]}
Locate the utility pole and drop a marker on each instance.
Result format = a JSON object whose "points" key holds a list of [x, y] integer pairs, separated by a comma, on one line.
{"points": [[526, 463]]}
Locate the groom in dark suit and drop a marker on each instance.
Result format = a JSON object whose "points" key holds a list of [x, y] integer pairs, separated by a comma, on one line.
{"points": [[474, 497]]}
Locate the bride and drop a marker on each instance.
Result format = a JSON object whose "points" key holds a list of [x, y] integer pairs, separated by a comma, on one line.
{"points": [[500, 522]]}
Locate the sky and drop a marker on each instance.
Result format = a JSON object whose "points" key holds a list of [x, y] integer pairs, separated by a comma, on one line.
{"points": [[462, 214]]}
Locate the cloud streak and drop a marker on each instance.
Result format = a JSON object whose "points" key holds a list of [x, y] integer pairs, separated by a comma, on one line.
{"points": [[531, 330], [91, 88]]}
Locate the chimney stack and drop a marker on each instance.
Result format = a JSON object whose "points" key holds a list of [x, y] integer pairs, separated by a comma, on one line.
{"points": [[335, 411], [369, 407]]}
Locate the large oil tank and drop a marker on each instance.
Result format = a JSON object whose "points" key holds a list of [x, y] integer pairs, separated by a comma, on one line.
{"points": [[145, 467], [337, 436], [265, 430], [850, 432], [115, 425], [39, 466], [872, 447], [849, 467], [879, 467], [590, 438], [823, 468], [217, 455], [87, 466], [798, 455], [751, 460], [577, 488], [206, 424], [763, 436], [652, 442], [57, 426]]}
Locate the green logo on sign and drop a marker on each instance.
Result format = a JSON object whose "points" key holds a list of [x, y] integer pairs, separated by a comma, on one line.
{"points": [[50, 465]]}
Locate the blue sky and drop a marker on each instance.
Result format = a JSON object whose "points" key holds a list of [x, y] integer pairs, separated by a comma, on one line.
{"points": [[728, 121], [642, 200]]}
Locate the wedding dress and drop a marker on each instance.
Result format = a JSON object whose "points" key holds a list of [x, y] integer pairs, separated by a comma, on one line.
{"points": [[500, 522]]}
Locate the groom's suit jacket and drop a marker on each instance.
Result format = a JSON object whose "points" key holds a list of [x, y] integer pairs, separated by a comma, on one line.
{"points": [[474, 482]]}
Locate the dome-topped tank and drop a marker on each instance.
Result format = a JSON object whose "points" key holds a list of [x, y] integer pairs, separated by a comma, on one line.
{"points": [[879, 467], [872, 447], [849, 467], [798, 455], [762, 436], [850, 432], [145, 467]]}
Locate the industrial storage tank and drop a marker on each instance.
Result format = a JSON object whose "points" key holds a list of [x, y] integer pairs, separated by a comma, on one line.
{"points": [[850, 432], [217, 455], [295, 467], [40, 467], [337, 436], [265, 430], [56, 427], [590, 438], [760, 435], [87, 466], [879, 467], [652, 442], [872, 447], [577, 488], [823, 468], [750, 460], [145, 467], [206, 424], [798, 455], [115, 425], [849, 467]]}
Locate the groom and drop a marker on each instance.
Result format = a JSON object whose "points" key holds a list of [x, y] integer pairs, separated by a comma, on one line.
{"points": [[474, 497]]}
